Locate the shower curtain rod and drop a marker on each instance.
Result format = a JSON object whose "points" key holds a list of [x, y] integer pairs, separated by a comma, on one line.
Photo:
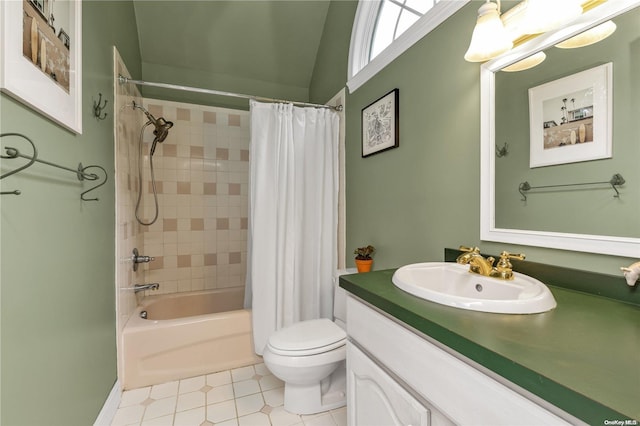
{"points": [[122, 80]]}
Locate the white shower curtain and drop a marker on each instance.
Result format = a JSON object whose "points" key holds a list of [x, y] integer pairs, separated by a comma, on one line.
{"points": [[293, 216]]}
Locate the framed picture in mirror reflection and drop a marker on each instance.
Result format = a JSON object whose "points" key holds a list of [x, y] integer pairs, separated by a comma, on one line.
{"points": [[570, 118]]}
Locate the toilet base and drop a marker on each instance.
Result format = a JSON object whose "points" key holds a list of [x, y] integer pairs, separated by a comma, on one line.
{"points": [[299, 399]]}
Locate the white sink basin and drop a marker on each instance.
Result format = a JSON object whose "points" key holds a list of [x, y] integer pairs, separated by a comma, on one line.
{"points": [[452, 284]]}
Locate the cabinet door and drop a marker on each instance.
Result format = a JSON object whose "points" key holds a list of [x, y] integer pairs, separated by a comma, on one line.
{"points": [[375, 399]]}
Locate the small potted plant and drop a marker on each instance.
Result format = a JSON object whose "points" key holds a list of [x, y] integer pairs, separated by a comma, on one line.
{"points": [[363, 258]]}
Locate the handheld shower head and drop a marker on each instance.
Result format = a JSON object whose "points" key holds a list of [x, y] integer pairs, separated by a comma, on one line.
{"points": [[161, 125], [161, 131]]}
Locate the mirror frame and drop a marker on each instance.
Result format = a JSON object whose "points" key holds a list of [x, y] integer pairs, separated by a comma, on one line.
{"points": [[620, 246]]}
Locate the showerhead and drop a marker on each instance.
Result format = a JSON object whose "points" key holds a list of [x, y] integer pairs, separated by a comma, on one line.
{"points": [[161, 131], [161, 125]]}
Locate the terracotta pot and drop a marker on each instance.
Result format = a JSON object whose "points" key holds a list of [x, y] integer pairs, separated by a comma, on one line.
{"points": [[364, 265]]}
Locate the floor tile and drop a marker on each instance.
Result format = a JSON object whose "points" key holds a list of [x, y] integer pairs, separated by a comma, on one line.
{"points": [[220, 393], [192, 384], [270, 382], [261, 369], [274, 397], [246, 396], [221, 411], [280, 417], [217, 379], [128, 415], [188, 401], [249, 404], [324, 419], [255, 419], [243, 373], [161, 407], [246, 387], [159, 421], [194, 417], [135, 396], [340, 416], [164, 390], [232, 422]]}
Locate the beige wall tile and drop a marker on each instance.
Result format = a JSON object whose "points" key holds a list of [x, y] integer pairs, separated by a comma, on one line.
{"points": [[209, 117], [197, 152], [234, 189], [234, 120], [169, 150], [222, 153], [184, 187], [170, 225], [202, 177], [184, 261], [183, 114]]}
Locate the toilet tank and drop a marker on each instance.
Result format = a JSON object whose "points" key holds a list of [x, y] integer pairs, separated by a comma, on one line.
{"points": [[340, 298]]}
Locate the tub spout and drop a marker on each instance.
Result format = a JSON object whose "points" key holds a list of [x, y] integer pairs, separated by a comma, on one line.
{"points": [[143, 287]]}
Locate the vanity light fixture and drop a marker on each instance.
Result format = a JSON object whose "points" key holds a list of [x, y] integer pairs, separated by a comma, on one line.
{"points": [[489, 38], [545, 15], [496, 33], [526, 63], [588, 37]]}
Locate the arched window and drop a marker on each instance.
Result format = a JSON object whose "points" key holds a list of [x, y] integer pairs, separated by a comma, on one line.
{"points": [[383, 29]]}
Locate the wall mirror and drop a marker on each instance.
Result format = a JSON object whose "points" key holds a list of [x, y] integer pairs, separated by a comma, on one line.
{"points": [[585, 217]]}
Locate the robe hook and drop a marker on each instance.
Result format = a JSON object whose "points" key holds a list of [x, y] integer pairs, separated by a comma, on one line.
{"points": [[98, 107]]}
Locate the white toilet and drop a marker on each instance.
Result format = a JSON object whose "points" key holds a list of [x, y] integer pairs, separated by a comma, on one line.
{"points": [[309, 357]]}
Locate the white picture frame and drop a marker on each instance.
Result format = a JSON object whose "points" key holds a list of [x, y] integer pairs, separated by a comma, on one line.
{"points": [[570, 119], [52, 87]]}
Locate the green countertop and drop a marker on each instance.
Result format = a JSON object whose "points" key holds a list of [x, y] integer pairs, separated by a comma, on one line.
{"points": [[583, 356]]}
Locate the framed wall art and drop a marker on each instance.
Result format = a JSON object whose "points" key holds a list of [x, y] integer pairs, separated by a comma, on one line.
{"points": [[380, 125], [570, 119], [41, 57]]}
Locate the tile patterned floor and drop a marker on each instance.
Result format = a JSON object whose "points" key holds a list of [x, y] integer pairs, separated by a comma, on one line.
{"points": [[247, 396]]}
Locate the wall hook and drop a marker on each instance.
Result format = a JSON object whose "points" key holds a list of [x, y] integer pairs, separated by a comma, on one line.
{"points": [[501, 152], [91, 176], [13, 153], [98, 107]]}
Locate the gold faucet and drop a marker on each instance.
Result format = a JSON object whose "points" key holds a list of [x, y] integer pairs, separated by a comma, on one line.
{"points": [[480, 265]]}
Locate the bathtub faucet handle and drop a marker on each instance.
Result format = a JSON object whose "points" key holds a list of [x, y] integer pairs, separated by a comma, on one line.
{"points": [[137, 258]]}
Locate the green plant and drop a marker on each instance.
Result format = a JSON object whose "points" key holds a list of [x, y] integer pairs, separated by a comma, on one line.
{"points": [[364, 253]]}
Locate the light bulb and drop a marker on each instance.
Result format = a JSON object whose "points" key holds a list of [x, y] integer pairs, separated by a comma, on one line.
{"points": [[546, 15], [489, 38]]}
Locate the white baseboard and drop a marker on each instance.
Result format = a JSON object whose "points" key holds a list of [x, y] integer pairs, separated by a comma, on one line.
{"points": [[108, 412]]}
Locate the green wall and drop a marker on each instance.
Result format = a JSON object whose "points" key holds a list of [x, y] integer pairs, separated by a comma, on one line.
{"points": [[222, 82], [576, 210], [332, 61], [58, 353], [413, 201]]}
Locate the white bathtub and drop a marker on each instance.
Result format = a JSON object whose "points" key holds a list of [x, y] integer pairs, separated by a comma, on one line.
{"points": [[186, 335]]}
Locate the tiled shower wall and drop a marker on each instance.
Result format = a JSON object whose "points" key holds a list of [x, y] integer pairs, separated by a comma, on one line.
{"points": [[202, 173], [127, 125]]}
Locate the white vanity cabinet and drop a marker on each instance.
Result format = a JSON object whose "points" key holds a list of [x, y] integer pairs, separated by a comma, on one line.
{"points": [[398, 377], [376, 398]]}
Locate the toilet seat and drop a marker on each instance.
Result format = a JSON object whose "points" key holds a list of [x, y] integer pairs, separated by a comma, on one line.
{"points": [[307, 338]]}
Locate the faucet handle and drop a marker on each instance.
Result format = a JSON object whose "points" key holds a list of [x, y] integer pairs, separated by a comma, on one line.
{"points": [[469, 249], [505, 256], [504, 264]]}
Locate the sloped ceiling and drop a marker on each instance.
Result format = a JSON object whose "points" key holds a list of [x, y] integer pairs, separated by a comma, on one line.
{"points": [[267, 41]]}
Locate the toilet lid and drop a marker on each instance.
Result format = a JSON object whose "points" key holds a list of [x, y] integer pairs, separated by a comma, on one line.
{"points": [[308, 337]]}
